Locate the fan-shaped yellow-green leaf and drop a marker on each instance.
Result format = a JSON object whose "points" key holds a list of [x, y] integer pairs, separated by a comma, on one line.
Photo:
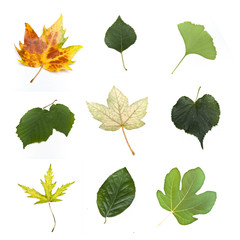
{"points": [[197, 41], [119, 114]]}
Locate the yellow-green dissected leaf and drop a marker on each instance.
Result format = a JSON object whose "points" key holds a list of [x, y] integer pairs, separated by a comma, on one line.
{"points": [[48, 186], [119, 114], [46, 51], [34, 194]]}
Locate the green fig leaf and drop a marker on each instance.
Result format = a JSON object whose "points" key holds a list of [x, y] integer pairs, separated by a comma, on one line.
{"points": [[197, 41], [119, 114], [196, 118], [63, 118], [120, 36], [185, 203], [116, 194]]}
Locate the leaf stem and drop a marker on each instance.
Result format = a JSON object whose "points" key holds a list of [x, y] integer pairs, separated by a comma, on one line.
{"points": [[53, 217], [179, 63], [105, 220], [165, 218], [197, 94], [37, 74], [123, 61], [50, 104], [133, 153]]}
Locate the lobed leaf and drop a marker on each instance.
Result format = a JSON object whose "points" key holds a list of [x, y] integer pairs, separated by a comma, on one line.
{"points": [[119, 114], [185, 203]]}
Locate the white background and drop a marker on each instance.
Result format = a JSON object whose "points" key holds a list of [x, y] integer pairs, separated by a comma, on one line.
{"points": [[89, 154]]}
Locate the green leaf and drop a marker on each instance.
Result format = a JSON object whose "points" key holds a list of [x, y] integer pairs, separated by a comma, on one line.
{"points": [[198, 117], [185, 203], [63, 118], [48, 186], [116, 194], [120, 36], [197, 41], [38, 123], [119, 114], [35, 126]]}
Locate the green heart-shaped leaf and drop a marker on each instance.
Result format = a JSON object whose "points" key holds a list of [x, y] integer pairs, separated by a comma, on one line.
{"points": [[198, 117]]}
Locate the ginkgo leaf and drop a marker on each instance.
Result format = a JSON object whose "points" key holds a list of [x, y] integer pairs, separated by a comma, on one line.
{"points": [[120, 36], [48, 186], [119, 114], [116, 194], [185, 203], [38, 123], [197, 41], [196, 118], [46, 51]]}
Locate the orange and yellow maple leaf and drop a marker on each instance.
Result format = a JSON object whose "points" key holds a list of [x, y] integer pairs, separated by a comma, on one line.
{"points": [[46, 51]]}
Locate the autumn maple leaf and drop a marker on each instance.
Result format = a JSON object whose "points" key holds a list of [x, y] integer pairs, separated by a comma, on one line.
{"points": [[46, 51]]}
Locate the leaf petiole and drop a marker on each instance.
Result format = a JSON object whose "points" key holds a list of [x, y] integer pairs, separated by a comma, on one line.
{"points": [[37, 74], [50, 104], [165, 218], [133, 153], [179, 63], [123, 61], [53, 217], [197, 94]]}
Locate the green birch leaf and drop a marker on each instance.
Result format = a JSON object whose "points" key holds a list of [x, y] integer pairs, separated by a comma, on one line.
{"points": [[196, 118], [63, 118], [116, 194], [119, 114], [197, 41], [120, 36], [185, 203], [35, 126], [48, 186]]}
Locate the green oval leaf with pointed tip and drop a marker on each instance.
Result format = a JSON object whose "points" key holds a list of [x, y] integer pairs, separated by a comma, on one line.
{"points": [[35, 126], [63, 118], [196, 118], [197, 41], [185, 203], [120, 36], [116, 194]]}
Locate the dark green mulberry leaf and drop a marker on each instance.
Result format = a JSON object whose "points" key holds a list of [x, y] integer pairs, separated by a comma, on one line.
{"points": [[63, 118], [116, 194], [120, 36], [35, 126], [198, 117]]}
